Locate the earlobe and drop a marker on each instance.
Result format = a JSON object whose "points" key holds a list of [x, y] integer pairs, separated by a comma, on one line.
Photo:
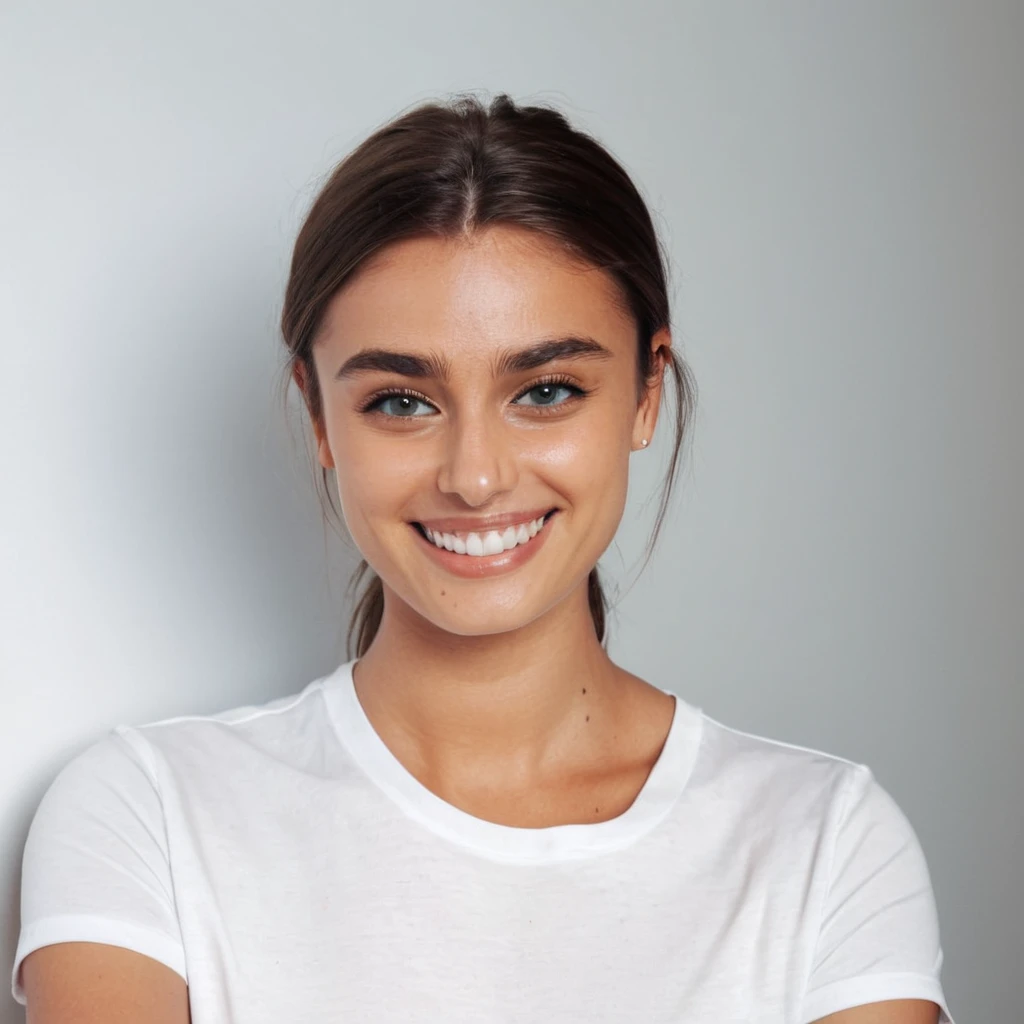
{"points": [[323, 448], [323, 451], [643, 428]]}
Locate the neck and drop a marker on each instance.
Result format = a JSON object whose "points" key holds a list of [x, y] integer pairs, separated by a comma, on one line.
{"points": [[511, 704]]}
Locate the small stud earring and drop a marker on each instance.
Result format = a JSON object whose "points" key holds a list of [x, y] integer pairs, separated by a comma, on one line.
{"points": [[644, 442]]}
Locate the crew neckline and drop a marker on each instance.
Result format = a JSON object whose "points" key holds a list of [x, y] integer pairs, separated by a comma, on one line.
{"points": [[663, 786]]}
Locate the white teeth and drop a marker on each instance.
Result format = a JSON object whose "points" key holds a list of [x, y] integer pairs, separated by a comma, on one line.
{"points": [[493, 542]]}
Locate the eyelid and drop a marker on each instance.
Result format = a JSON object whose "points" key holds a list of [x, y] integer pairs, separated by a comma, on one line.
{"points": [[554, 378], [390, 392], [549, 378]]}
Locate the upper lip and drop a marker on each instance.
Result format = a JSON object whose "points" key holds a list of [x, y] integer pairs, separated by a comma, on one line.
{"points": [[481, 524]]}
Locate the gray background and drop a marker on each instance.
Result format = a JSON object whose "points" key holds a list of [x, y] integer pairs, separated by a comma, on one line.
{"points": [[840, 187]]}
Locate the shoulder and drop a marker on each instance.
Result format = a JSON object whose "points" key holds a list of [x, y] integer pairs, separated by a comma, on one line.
{"points": [[270, 715], [294, 730], [137, 765], [770, 773], [833, 839], [794, 793], [824, 825]]}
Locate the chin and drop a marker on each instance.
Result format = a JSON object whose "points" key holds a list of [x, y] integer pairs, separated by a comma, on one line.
{"points": [[482, 620], [487, 611]]}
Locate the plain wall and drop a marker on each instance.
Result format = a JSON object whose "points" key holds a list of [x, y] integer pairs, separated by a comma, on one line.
{"points": [[840, 188]]}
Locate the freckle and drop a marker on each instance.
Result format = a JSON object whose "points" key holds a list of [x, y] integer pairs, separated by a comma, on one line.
{"points": [[584, 689], [442, 593], [588, 718]]}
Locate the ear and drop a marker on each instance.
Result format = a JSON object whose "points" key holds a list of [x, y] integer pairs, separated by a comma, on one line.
{"points": [[647, 412], [323, 449]]}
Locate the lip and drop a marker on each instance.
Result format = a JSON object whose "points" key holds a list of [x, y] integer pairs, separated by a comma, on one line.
{"points": [[481, 524], [474, 567]]}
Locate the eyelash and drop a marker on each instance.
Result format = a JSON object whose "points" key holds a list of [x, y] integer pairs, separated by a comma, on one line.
{"points": [[555, 378]]}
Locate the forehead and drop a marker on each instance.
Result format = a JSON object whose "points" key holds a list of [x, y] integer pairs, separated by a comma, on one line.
{"points": [[493, 288]]}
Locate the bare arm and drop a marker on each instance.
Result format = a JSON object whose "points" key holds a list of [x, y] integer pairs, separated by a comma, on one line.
{"points": [[94, 983], [892, 1011]]}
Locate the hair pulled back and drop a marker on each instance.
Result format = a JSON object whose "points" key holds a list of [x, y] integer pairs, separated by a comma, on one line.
{"points": [[448, 169]]}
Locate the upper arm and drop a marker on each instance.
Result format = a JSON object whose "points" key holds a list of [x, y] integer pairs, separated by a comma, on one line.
{"points": [[97, 892], [94, 983], [892, 1011]]}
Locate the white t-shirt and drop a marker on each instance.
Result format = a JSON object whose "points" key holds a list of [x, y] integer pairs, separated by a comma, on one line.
{"points": [[284, 862]]}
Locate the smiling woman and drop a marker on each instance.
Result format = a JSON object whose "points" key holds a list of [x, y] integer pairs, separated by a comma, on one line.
{"points": [[501, 379], [478, 816], [513, 244]]}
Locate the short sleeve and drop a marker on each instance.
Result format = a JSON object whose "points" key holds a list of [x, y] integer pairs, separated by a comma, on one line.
{"points": [[95, 866], [879, 932]]}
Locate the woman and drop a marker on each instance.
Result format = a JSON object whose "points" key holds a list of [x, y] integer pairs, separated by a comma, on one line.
{"points": [[479, 817]]}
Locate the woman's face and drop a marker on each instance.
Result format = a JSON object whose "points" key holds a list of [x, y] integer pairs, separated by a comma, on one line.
{"points": [[471, 388]]}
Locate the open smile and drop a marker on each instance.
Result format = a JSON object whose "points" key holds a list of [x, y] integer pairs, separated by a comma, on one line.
{"points": [[480, 553]]}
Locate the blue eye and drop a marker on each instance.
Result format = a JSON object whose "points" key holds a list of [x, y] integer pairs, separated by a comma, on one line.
{"points": [[407, 405], [402, 406], [547, 393]]}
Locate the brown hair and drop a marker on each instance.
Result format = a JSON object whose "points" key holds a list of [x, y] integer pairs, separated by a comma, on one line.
{"points": [[444, 170]]}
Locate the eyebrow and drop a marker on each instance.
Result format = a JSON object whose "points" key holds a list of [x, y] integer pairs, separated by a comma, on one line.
{"points": [[408, 364]]}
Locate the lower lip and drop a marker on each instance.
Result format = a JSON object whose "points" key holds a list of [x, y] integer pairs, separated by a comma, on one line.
{"points": [[475, 567]]}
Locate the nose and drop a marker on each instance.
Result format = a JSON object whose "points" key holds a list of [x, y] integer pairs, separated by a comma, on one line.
{"points": [[478, 461]]}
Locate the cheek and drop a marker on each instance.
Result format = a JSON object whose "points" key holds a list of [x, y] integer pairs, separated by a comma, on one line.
{"points": [[588, 462], [379, 478]]}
